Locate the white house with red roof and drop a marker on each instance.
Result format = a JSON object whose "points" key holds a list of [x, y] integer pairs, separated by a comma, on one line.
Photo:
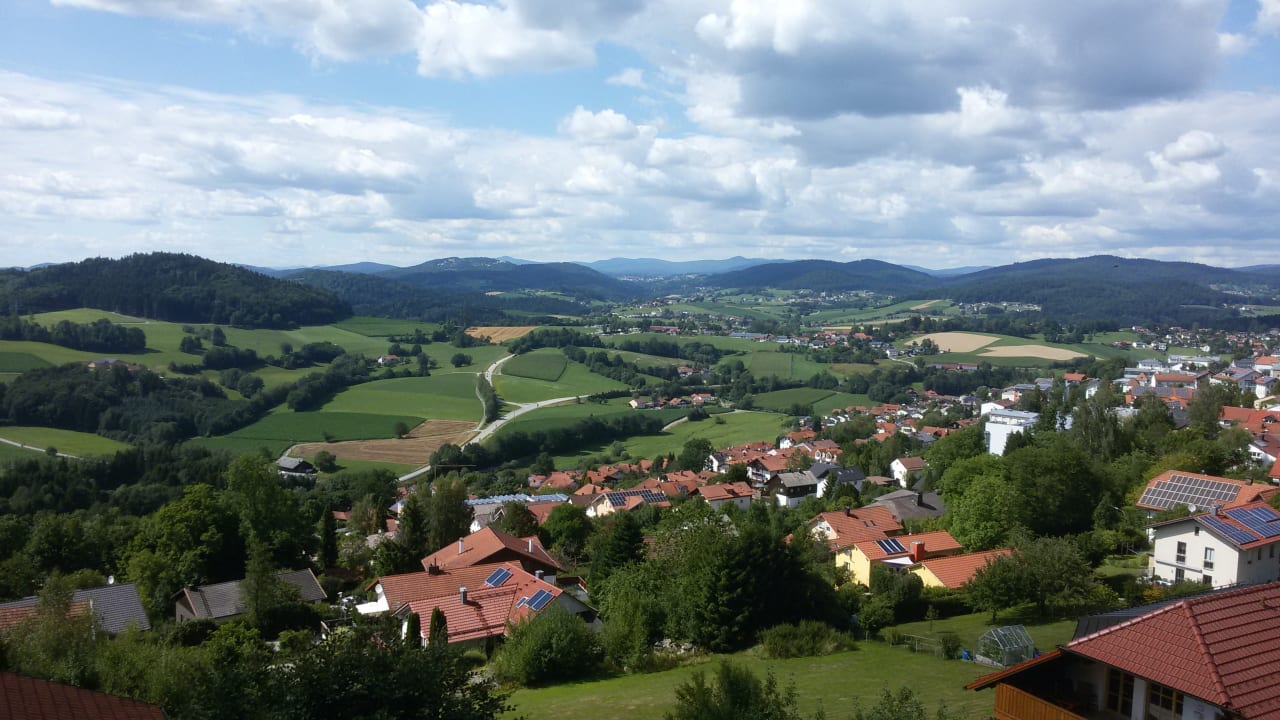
{"points": [[1200, 658], [1227, 546]]}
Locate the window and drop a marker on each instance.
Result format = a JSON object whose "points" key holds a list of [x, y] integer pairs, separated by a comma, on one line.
{"points": [[1208, 558], [1196, 531], [1120, 692], [1179, 575], [1181, 556], [1164, 697], [1207, 580]]}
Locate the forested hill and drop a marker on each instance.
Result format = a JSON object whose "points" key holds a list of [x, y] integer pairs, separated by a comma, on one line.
{"points": [[1111, 287], [169, 286], [376, 295], [825, 275], [489, 275]]}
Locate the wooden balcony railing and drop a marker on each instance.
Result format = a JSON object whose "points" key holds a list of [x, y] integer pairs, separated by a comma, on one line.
{"points": [[1015, 704]]}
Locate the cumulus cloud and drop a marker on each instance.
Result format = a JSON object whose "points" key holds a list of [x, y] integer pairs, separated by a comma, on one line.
{"points": [[604, 126], [1268, 20]]}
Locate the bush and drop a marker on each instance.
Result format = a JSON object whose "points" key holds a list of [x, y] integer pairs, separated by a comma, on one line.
{"points": [[806, 639], [951, 645], [554, 645]]}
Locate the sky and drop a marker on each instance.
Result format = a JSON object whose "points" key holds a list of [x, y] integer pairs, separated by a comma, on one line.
{"points": [[936, 133]]}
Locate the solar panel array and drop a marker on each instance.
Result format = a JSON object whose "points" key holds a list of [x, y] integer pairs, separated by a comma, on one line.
{"points": [[1262, 520], [1187, 490], [649, 496], [1231, 532], [497, 577], [891, 546], [540, 600]]}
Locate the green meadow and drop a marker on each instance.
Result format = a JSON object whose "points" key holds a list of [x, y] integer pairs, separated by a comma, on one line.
{"points": [[736, 428], [450, 396], [278, 431], [67, 441], [546, 364], [576, 380]]}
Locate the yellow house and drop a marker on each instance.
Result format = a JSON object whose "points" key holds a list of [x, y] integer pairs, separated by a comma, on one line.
{"points": [[841, 529], [901, 551], [954, 571]]}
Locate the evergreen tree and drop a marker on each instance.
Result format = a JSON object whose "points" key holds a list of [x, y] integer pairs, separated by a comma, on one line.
{"points": [[448, 515], [327, 527]]}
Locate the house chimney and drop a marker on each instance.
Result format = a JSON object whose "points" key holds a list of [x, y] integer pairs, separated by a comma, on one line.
{"points": [[462, 595], [537, 574], [919, 499], [433, 568], [530, 544], [460, 547], [917, 550]]}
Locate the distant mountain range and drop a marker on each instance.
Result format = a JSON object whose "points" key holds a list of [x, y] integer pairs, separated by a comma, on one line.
{"points": [[653, 267]]}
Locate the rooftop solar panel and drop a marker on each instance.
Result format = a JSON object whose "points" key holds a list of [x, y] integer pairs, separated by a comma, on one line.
{"points": [[1186, 490], [891, 546], [539, 600], [1262, 520], [497, 577], [1231, 532]]}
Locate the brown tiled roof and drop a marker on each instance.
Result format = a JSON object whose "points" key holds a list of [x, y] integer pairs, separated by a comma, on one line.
{"points": [[402, 589], [26, 698], [1222, 648], [481, 546], [912, 464], [13, 614], [855, 526], [724, 491], [956, 570]]}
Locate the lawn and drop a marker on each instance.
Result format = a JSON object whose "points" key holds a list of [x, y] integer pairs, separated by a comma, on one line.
{"points": [[971, 627], [834, 683], [449, 396], [545, 364], [20, 362], [67, 441], [577, 381]]}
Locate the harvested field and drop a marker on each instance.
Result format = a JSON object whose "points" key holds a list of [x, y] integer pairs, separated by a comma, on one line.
{"points": [[500, 333], [1035, 351], [959, 341], [413, 449], [924, 305]]}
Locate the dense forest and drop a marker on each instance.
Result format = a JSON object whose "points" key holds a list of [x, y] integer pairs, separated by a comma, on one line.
{"points": [[169, 286], [98, 336]]}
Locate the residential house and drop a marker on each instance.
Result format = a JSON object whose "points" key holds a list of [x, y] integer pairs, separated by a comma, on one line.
{"points": [[1195, 491], [831, 475], [28, 698], [953, 571], [1223, 547], [1001, 424], [295, 467], [116, 607], [1198, 658], [900, 552], [842, 529], [906, 470], [791, 488], [221, 602], [613, 501], [738, 494], [487, 510], [490, 546], [764, 469], [912, 504]]}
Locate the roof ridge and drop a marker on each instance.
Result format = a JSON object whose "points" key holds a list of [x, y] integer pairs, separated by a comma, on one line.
{"points": [[1223, 698]]}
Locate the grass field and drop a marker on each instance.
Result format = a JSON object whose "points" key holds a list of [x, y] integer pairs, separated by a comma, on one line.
{"points": [[906, 308], [576, 380], [20, 362], [384, 327], [783, 400], [278, 431], [737, 428], [450, 396], [67, 441], [412, 450], [834, 683], [722, 342], [971, 627], [9, 453], [545, 364], [569, 413], [764, 364], [648, 361]]}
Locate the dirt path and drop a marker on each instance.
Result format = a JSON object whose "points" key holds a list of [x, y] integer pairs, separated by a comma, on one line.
{"points": [[17, 444]]}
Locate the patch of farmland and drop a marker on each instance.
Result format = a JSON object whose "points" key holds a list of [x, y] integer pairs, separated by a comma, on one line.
{"points": [[449, 396], [499, 333], [545, 364], [19, 362], [413, 449], [784, 400]]}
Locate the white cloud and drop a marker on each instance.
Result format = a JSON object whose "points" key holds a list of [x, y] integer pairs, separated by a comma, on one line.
{"points": [[1193, 145], [1268, 20], [604, 126], [629, 77]]}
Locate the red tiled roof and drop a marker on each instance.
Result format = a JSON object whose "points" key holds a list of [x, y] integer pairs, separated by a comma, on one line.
{"points": [[406, 588], [850, 527], [912, 464], [27, 698], [15, 615], [724, 491], [1255, 421], [541, 511], [487, 612], [1222, 648], [483, 545], [934, 542], [956, 570]]}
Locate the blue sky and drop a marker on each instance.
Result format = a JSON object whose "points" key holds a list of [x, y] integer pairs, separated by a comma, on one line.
{"points": [[936, 133]]}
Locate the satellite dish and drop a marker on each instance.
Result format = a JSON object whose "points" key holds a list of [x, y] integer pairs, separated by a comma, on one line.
{"points": [[1191, 508]]}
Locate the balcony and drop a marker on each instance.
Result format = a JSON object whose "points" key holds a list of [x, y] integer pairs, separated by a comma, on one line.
{"points": [[1015, 704]]}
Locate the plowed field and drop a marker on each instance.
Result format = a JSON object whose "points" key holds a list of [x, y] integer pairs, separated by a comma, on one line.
{"points": [[413, 449]]}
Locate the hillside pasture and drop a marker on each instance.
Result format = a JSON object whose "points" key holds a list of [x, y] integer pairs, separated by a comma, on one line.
{"points": [[498, 334], [20, 362], [67, 441], [384, 327], [764, 364], [576, 381], [784, 400], [278, 431], [738, 427], [449, 396], [545, 364], [413, 450]]}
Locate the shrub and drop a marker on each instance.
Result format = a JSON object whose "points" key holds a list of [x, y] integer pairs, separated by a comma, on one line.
{"points": [[806, 639], [554, 645], [951, 645]]}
